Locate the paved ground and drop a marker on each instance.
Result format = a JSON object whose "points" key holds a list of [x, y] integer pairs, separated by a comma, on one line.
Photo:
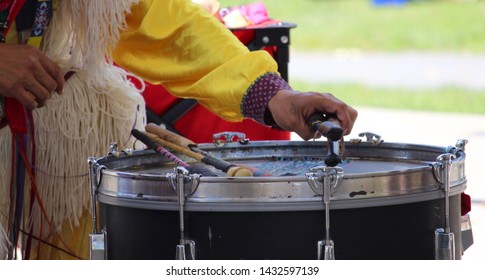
{"points": [[438, 129], [408, 69]]}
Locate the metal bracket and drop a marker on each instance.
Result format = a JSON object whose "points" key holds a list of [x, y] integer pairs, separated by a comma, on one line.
{"points": [[98, 249], [190, 181], [459, 147], [220, 139], [372, 138], [440, 167], [317, 176], [113, 150]]}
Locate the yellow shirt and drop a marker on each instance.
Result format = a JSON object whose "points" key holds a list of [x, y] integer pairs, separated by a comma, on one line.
{"points": [[185, 48]]}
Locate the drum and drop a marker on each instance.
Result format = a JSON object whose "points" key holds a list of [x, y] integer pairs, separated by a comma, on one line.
{"points": [[384, 201]]}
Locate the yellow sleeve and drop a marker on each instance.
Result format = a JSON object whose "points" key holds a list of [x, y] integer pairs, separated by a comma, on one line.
{"points": [[180, 45]]}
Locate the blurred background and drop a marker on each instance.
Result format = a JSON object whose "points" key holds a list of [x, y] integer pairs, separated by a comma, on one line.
{"points": [[414, 69]]}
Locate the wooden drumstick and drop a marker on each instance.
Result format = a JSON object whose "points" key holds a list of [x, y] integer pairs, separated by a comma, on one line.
{"points": [[231, 170], [192, 168], [169, 136]]}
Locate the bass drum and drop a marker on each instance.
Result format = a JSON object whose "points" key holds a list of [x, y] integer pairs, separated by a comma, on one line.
{"points": [[387, 203]]}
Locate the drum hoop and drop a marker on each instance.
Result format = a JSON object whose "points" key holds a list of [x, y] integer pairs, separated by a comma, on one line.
{"points": [[197, 205], [143, 189]]}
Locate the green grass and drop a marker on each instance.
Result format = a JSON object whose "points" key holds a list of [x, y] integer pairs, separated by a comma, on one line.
{"points": [[420, 25], [443, 25], [447, 99]]}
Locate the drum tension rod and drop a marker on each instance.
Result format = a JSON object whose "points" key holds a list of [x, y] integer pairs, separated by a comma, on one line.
{"points": [[444, 237], [178, 182], [98, 239], [324, 181]]}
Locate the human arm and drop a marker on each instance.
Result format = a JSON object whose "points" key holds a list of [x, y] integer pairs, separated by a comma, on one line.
{"points": [[273, 102], [195, 56]]}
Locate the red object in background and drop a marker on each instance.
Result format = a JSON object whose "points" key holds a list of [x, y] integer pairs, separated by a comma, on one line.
{"points": [[466, 204], [199, 124]]}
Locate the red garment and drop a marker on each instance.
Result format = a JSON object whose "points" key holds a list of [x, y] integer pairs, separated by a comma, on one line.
{"points": [[199, 124]]}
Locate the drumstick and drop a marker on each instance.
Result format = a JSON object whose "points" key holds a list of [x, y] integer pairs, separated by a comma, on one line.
{"points": [[231, 170], [330, 128], [237, 170], [192, 168], [170, 136]]}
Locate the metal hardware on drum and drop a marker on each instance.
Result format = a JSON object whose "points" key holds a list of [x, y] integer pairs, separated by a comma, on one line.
{"points": [[372, 138], [392, 196], [180, 253], [220, 139], [459, 146], [444, 237], [329, 127], [98, 239], [325, 184], [113, 150]]}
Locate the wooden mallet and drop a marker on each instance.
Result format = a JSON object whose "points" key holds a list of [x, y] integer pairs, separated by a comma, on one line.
{"points": [[185, 146]]}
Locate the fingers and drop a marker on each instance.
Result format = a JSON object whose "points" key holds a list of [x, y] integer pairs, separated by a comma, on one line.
{"points": [[348, 119], [291, 110], [28, 100], [54, 79], [28, 75], [347, 116]]}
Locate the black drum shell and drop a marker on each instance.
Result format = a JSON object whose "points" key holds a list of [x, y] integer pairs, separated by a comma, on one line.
{"points": [[397, 232]]}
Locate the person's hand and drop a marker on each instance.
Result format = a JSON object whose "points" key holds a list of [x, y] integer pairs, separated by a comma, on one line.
{"points": [[28, 75], [291, 111]]}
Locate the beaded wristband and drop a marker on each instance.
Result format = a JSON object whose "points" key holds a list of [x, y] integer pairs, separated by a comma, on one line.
{"points": [[255, 103]]}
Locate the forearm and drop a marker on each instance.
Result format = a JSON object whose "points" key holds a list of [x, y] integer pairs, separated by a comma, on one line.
{"points": [[255, 102], [192, 54]]}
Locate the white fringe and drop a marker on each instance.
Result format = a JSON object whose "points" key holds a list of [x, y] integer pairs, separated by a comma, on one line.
{"points": [[98, 106], [5, 171], [3, 243]]}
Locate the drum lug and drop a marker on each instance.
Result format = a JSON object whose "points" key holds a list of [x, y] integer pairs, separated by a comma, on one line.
{"points": [[440, 167], [220, 139], [371, 137], [317, 175], [191, 181]]}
